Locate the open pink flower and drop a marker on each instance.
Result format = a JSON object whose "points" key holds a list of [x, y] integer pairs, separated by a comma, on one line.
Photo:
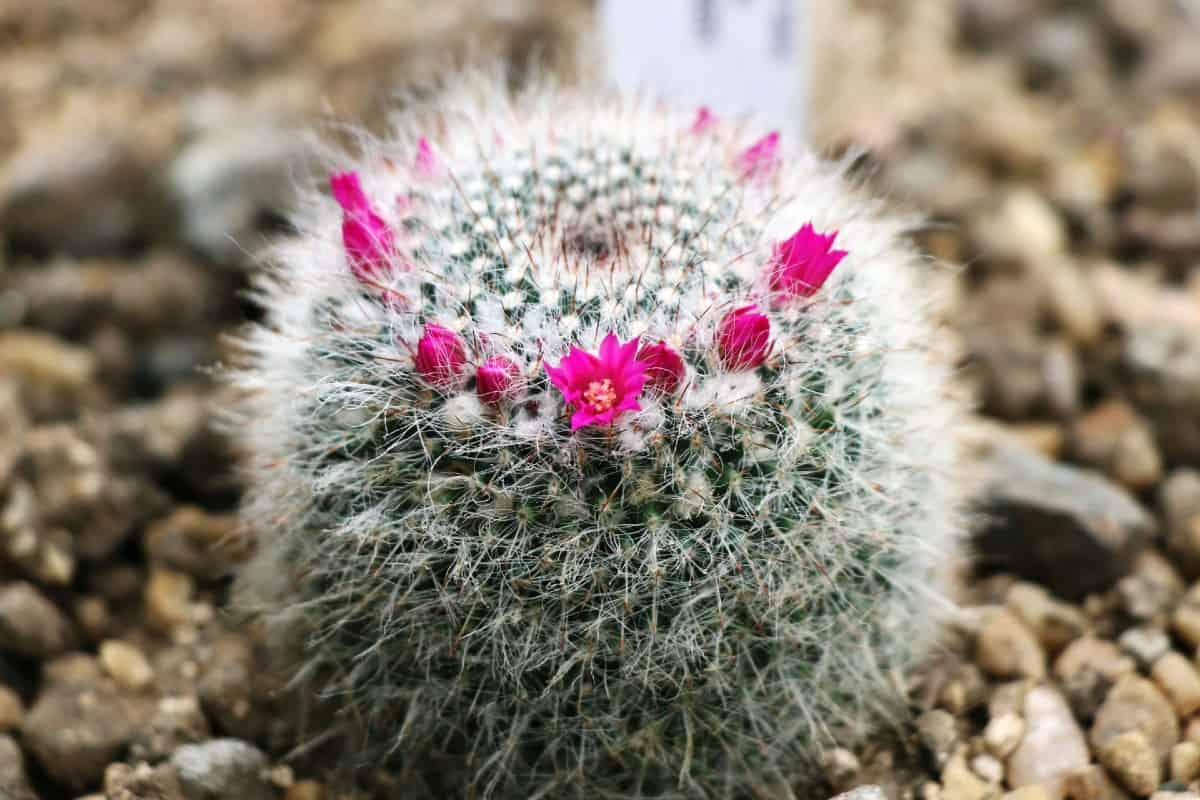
{"points": [[664, 367], [426, 163], [704, 121], [744, 338], [759, 160], [495, 379], [600, 386], [440, 356], [801, 264], [368, 240]]}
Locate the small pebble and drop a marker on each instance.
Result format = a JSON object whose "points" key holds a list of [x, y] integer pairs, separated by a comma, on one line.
{"points": [[30, 625], [1136, 704], [12, 710], [125, 782], [988, 767], [1003, 734], [841, 767], [1055, 624], [311, 790], [1152, 589], [1185, 762], [1091, 783], [222, 768], [1006, 648], [960, 783], [14, 778], [168, 599], [1132, 761], [1179, 496], [1145, 644], [93, 615], [1053, 744], [1186, 620], [1179, 680], [126, 664], [177, 720]]}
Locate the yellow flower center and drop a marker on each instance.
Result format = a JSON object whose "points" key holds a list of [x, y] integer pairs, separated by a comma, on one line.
{"points": [[600, 395]]}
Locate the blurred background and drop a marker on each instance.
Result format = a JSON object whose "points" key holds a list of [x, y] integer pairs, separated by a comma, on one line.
{"points": [[148, 149]]}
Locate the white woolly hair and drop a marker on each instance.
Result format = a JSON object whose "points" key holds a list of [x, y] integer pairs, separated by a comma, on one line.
{"points": [[692, 603]]}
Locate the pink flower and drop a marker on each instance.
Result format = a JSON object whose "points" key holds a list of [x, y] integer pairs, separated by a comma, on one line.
{"points": [[426, 162], [800, 265], [664, 367], [744, 338], [759, 160], [705, 120], [495, 378], [440, 356], [368, 240], [600, 387]]}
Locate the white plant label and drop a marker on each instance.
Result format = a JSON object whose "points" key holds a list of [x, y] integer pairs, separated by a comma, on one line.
{"points": [[735, 56]]}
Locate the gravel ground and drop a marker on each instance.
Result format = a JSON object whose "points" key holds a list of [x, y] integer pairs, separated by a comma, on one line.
{"points": [[146, 152]]}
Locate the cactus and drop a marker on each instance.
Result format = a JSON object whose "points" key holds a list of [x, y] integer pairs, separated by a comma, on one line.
{"points": [[606, 449]]}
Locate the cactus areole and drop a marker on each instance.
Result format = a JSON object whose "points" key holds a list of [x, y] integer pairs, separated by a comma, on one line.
{"points": [[580, 456]]}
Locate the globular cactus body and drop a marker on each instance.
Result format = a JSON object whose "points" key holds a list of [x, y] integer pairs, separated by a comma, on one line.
{"points": [[609, 449]]}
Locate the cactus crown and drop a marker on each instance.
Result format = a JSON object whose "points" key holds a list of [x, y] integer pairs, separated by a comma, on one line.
{"points": [[578, 450]]}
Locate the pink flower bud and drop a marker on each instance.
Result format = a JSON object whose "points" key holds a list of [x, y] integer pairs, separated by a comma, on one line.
{"points": [[801, 264], [664, 367], [704, 121], [368, 240], [426, 163], [744, 338], [496, 378], [759, 160], [440, 356]]}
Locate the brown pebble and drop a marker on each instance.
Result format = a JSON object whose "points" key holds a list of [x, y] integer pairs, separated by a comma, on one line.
{"points": [[168, 599], [93, 615], [1091, 783], [1096, 654], [1133, 762], [1179, 680], [125, 664], [31, 625], [1045, 437], [1185, 762], [1136, 704], [1055, 624], [1186, 620], [840, 767], [953, 698], [12, 710], [1006, 648], [305, 790], [1179, 497]]}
